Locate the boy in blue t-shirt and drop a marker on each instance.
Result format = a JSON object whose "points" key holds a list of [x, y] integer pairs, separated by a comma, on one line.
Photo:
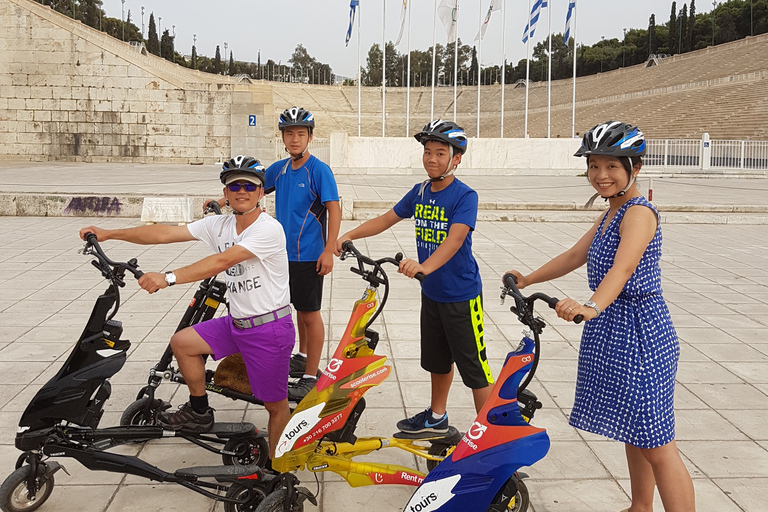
{"points": [[445, 211], [307, 206]]}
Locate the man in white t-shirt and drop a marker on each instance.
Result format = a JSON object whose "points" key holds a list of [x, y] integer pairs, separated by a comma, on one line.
{"points": [[250, 247]]}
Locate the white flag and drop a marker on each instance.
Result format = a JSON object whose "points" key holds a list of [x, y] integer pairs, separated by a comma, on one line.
{"points": [[530, 28], [495, 6], [402, 21], [571, 7], [447, 12]]}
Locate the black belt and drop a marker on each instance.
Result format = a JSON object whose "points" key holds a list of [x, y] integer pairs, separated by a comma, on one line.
{"points": [[255, 321]]}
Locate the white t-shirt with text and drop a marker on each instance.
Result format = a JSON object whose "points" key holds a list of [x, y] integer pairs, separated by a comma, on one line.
{"points": [[257, 285]]}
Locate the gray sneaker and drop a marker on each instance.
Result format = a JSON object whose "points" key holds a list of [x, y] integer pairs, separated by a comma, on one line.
{"points": [[186, 419], [297, 391]]}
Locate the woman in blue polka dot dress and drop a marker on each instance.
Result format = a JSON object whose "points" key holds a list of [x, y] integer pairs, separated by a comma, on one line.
{"points": [[629, 350]]}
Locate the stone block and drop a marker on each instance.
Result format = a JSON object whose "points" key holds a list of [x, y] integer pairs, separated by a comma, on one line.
{"points": [[24, 115], [129, 117], [59, 115], [21, 91], [40, 92], [76, 116], [17, 104]]}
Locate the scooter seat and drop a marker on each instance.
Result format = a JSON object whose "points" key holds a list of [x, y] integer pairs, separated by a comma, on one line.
{"points": [[228, 429], [452, 435], [220, 473]]}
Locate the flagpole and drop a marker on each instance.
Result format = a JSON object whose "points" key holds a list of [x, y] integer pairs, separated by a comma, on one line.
{"points": [[479, 58], [527, 67], [434, 27], [455, 59], [408, 80], [549, 79], [384, 70], [359, 76], [503, 59], [573, 114]]}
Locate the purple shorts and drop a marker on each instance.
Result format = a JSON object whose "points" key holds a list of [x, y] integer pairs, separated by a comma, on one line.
{"points": [[266, 350]]}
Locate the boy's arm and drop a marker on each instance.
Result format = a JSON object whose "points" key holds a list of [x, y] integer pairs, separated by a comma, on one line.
{"points": [[369, 228], [450, 246], [207, 267], [143, 235], [325, 262]]}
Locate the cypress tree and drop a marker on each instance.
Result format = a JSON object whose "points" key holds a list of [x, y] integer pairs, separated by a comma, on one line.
{"points": [[153, 45], [672, 38], [217, 61]]}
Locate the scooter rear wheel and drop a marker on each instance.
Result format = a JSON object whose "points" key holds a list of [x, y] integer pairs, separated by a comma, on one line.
{"points": [[522, 498], [253, 450], [254, 494], [14, 493], [442, 450], [275, 502]]}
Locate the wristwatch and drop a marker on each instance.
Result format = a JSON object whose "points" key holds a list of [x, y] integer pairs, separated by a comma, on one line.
{"points": [[590, 304], [170, 278]]}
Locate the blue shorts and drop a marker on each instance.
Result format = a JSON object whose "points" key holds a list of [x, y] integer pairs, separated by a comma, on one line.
{"points": [[266, 350]]}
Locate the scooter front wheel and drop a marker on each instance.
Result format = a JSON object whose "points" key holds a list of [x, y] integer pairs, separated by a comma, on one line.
{"points": [[14, 493], [275, 502], [250, 451], [253, 495], [136, 413], [521, 500]]}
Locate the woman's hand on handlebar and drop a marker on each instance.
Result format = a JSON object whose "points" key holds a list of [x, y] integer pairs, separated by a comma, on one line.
{"points": [[521, 281], [410, 268], [101, 234], [568, 309], [343, 238], [153, 281]]}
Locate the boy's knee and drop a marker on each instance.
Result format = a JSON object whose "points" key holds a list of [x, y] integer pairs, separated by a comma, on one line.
{"points": [[277, 407]]}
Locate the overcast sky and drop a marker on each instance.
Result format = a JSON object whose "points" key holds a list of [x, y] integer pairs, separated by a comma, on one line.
{"points": [[276, 26]]}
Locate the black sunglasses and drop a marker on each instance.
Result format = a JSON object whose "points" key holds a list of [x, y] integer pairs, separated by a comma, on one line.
{"points": [[236, 186]]}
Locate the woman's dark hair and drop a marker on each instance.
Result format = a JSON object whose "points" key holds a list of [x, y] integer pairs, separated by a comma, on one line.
{"points": [[628, 162]]}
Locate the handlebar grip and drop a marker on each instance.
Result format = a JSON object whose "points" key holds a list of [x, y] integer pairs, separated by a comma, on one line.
{"points": [[419, 277], [552, 302], [509, 280], [138, 274], [578, 319], [347, 245], [90, 238], [399, 256]]}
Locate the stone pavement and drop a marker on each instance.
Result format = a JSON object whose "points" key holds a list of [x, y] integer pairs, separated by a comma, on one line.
{"points": [[715, 279]]}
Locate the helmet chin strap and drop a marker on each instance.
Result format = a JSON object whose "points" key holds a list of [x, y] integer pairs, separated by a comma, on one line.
{"points": [[235, 212], [597, 194]]}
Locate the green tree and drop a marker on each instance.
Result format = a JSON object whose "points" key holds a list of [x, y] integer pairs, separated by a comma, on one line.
{"points": [[683, 35], [166, 46], [216, 64], [673, 29], [231, 68], [193, 59], [691, 23], [651, 34], [153, 45], [371, 75], [473, 68]]}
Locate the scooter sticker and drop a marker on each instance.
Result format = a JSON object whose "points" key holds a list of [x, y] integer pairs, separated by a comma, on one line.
{"points": [[432, 495], [369, 379], [298, 425], [397, 478]]}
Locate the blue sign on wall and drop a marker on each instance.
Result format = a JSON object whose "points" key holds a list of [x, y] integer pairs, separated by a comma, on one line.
{"points": [[251, 120], [706, 144]]}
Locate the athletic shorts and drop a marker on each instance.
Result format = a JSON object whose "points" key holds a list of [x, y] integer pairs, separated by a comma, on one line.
{"points": [[453, 332], [266, 350], [306, 285]]}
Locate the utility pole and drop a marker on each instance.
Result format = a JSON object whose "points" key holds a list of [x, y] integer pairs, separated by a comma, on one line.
{"points": [[225, 56], [623, 46], [602, 51], [122, 17], [160, 34], [714, 6], [142, 22]]}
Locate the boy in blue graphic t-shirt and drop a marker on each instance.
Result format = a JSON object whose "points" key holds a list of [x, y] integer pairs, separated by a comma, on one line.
{"points": [[445, 212]]}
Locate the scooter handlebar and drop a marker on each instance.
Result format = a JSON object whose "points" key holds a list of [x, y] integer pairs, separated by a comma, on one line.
{"points": [[131, 266]]}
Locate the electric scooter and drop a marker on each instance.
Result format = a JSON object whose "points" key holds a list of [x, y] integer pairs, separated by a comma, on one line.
{"points": [[62, 420], [481, 474]]}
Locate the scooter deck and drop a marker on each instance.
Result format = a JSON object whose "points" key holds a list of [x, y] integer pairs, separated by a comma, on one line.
{"points": [[220, 472], [453, 435], [221, 429]]}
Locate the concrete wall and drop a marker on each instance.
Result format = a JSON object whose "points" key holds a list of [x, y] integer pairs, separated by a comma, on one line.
{"points": [[69, 92], [402, 155]]}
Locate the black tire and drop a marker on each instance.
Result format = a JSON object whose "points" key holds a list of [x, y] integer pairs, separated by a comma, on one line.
{"points": [[443, 450], [135, 413], [275, 503], [255, 496], [253, 450], [13, 493], [522, 499]]}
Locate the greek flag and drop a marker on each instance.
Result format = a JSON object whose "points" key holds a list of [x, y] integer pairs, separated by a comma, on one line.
{"points": [[571, 7], [530, 28], [352, 8]]}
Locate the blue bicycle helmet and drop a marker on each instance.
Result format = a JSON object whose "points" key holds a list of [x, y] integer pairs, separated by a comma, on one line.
{"points": [[242, 167], [613, 138], [296, 116], [444, 131]]}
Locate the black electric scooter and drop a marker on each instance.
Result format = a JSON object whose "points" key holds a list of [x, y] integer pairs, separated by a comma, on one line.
{"points": [[62, 421]]}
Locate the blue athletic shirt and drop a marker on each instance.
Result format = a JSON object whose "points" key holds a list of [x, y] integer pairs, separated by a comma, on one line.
{"points": [[435, 212], [300, 197]]}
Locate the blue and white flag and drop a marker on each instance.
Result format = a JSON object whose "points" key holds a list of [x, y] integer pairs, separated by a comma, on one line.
{"points": [[530, 28], [352, 8], [571, 7]]}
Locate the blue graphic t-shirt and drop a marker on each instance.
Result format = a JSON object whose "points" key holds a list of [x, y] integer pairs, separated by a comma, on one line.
{"points": [[300, 197], [435, 212]]}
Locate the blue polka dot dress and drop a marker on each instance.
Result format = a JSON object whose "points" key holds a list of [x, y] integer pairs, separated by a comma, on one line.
{"points": [[628, 355]]}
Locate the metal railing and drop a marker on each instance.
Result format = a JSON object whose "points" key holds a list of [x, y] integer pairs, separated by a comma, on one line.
{"points": [[321, 148], [722, 154]]}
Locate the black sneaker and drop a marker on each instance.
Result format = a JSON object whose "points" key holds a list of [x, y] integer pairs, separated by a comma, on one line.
{"points": [[185, 418], [297, 391], [298, 366], [424, 422]]}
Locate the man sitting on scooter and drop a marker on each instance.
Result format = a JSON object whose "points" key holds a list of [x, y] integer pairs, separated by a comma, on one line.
{"points": [[250, 247]]}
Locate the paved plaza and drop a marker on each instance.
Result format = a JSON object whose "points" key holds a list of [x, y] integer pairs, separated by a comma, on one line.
{"points": [[715, 279]]}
